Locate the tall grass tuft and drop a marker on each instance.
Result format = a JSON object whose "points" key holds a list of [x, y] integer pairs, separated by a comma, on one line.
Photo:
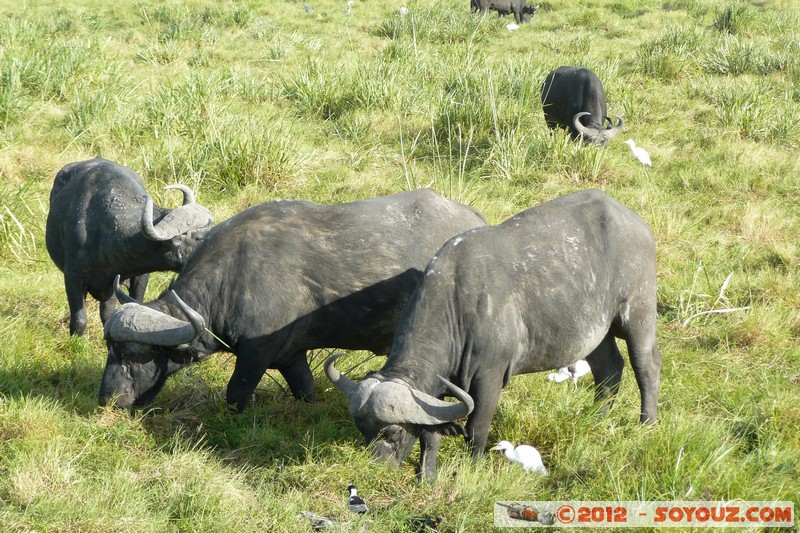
{"points": [[733, 56], [12, 104], [755, 110], [671, 55], [435, 23], [224, 157], [736, 18], [21, 223]]}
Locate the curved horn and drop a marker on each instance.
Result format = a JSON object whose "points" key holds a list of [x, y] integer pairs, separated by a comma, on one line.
{"points": [[188, 194], [195, 318], [134, 322], [176, 222], [344, 384], [146, 222], [583, 130], [393, 403], [121, 296], [615, 129], [459, 393]]}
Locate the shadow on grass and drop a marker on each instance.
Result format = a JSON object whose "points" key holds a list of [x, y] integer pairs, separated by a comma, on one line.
{"points": [[192, 412], [72, 386], [274, 429]]}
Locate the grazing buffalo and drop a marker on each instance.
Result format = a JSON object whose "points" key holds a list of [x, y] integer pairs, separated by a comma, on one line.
{"points": [[573, 98], [102, 223], [279, 279], [553, 284], [521, 10]]}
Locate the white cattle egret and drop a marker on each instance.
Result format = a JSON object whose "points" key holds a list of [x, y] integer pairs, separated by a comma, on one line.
{"points": [[512, 27], [563, 374], [578, 369], [639, 153], [526, 456], [403, 10], [354, 502], [574, 371]]}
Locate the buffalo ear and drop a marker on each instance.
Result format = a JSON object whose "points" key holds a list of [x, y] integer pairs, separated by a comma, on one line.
{"points": [[450, 429], [182, 354]]}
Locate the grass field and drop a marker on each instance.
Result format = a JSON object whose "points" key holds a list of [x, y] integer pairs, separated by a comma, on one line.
{"points": [[249, 101]]}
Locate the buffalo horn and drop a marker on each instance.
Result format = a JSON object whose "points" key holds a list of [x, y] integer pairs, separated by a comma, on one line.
{"points": [[396, 403], [121, 296], [343, 384], [176, 222], [583, 130], [393, 403], [134, 322], [616, 129], [188, 194], [195, 318]]}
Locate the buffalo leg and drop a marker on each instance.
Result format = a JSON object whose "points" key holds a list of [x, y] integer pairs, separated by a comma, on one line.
{"points": [[107, 307], [429, 443], [486, 395], [606, 364], [138, 286], [646, 363], [640, 335], [246, 376], [76, 298], [299, 378]]}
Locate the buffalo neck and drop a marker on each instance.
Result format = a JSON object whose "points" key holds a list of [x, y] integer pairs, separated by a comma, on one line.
{"points": [[419, 354], [430, 339]]}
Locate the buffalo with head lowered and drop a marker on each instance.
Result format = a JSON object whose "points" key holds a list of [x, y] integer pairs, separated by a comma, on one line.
{"points": [[279, 279], [102, 223], [573, 98], [551, 285]]}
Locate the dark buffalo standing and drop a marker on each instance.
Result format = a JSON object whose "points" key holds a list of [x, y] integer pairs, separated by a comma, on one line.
{"points": [[277, 280], [553, 284], [521, 10], [573, 98], [102, 223]]}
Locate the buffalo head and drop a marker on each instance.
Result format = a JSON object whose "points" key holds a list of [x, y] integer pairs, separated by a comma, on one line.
{"points": [[527, 12], [392, 414], [182, 227], [145, 346], [597, 133]]}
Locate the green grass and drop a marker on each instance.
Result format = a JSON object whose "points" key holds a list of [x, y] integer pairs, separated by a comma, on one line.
{"points": [[249, 101]]}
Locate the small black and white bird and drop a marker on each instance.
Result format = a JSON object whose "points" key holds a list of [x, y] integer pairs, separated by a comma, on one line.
{"points": [[354, 502]]}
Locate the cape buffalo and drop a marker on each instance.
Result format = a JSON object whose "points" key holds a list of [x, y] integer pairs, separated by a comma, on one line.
{"points": [[279, 279], [521, 10], [102, 223], [553, 284], [573, 98]]}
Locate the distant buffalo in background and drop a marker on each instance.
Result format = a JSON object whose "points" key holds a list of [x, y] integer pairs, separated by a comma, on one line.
{"points": [[573, 98], [102, 223], [521, 10]]}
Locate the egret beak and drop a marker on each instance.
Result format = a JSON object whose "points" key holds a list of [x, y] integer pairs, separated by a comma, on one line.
{"points": [[495, 448]]}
